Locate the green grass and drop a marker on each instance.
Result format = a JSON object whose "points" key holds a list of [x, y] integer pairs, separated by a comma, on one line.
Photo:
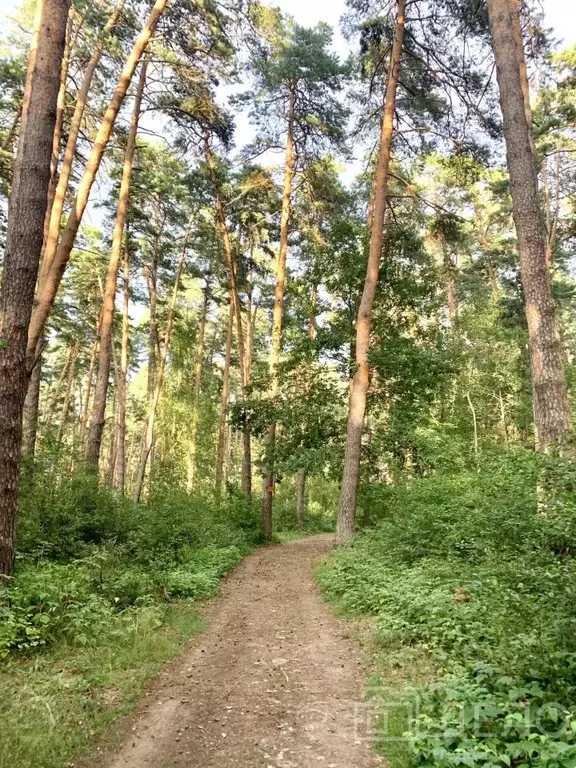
{"points": [[55, 702], [395, 669]]}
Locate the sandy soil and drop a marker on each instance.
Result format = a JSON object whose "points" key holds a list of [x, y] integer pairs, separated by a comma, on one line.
{"points": [[273, 682]]}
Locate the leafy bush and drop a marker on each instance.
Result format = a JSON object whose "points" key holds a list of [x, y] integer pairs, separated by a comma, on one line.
{"points": [[477, 568], [88, 559]]}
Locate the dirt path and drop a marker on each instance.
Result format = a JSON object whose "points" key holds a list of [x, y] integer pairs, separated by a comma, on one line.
{"points": [[273, 682]]}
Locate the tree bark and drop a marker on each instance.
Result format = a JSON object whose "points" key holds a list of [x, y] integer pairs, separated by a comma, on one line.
{"points": [[235, 297], [56, 205], [198, 364], [276, 345], [223, 422], [150, 422], [106, 324], [26, 213], [552, 421], [359, 389], [56, 268], [120, 476]]}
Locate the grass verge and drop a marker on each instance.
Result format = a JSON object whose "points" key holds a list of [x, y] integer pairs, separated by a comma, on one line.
{"points": [[56, 702], [396, 669]]}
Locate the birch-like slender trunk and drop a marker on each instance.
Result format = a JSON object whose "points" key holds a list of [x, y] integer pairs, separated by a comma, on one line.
{"points": [[276, 345], [106, 324], [359, 389], [552, 420], [26, 213], [55, 269]]}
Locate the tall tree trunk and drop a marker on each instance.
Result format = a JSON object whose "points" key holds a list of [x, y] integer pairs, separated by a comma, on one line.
{"points": [[26, 213], [91, 368], [56, 268], [150, 422], [106, 325], [276, 345], [302, 475], [359, 389], [551, 410], [68, 394], [198, 365], [120, 476], [223, 422], [235, 297], [56, 206], [32, 406]]}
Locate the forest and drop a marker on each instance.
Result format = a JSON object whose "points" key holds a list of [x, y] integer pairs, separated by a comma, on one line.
{"points": [[300, 294]]}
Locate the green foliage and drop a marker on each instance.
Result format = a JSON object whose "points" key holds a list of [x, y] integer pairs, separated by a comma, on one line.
{"points": [[472, 568], [54, 703], [89, 559]]}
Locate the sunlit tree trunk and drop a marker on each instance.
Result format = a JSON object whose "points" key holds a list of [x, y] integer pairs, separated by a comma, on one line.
{"points": [[223, 422], [120, 476], [26, 213], [359, 389], [235, 297], [276, 344], [106, 324], [150, 421], [550, 401], [54, 271], [198, 365], [52, 230]]}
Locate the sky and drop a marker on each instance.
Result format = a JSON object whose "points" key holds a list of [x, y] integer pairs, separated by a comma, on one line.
{"points": [[561, 14]]}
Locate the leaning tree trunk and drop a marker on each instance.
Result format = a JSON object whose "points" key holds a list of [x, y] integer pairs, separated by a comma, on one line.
{"points": [[223, 422], [56, 206], [235, 297], [198, 365], [55, 270], [150, 422], [26, 213], [550, 400], [359, 389], [120, 476], [106, 324], [276, 345]]}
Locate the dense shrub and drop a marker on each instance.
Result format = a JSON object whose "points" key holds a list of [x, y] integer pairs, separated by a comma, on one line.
{"points": [[88, 558], [478, 569]]}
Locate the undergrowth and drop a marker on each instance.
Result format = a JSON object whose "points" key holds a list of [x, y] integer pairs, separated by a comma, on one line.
{"points": [[102, 595], [478, 573]]}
